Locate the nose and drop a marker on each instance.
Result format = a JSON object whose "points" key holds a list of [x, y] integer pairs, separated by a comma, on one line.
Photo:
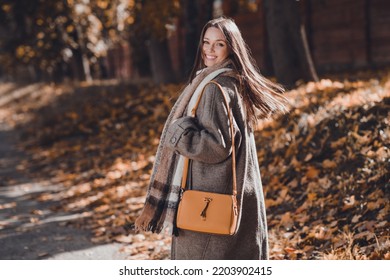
{"points": [[210, 47]]}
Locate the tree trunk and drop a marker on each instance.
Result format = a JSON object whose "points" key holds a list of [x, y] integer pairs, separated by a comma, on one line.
{"points": [[160, 61], [291, 58], [190, 14], [195, 15], [84, 58], [77, 65], [308, 64], [140, 57]]}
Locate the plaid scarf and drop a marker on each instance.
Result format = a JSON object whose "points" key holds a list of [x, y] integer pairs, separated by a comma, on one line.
{"points": [[163, 197]]}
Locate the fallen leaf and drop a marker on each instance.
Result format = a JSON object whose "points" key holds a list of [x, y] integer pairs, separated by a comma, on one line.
{"points": [[329, 164]]}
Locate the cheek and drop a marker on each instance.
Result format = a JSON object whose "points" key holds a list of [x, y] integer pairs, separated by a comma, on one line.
{"points": [[202, 53], [224, 53], [203, 50]]}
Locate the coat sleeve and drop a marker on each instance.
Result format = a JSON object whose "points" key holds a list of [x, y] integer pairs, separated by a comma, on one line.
{"points": [[205, 138]]}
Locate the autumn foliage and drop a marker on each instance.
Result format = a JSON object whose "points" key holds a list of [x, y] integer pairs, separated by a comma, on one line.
{"points": [[325, 166], [326, 172]]}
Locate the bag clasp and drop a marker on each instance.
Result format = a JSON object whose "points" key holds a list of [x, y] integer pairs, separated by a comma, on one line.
{"points": [[207, 200]]}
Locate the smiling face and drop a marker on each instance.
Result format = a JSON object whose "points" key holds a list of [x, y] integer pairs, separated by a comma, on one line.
{"points": [[214, 48]]}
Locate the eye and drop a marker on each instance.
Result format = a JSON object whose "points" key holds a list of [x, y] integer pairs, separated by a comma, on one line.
{"points": [[205, 42], [220, 45]]}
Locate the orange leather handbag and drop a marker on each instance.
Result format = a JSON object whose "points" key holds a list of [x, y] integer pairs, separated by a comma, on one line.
{"points": [[209, 212]]}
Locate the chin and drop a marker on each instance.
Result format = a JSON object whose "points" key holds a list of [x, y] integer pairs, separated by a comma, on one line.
{"points": [[210, 63]]}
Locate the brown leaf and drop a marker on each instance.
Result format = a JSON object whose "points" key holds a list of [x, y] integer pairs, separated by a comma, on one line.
{"points": [[339, 143], [349, 202], [124, 238], [356, 218], [287, 221], [308, 157], [312, 172], [329, 164], [311, 196]]}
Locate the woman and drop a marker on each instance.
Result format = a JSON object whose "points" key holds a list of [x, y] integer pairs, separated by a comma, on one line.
{"points": [[223, 57]]}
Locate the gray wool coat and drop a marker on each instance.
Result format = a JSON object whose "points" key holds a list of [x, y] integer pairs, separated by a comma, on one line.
{"points": [[206, 140]]}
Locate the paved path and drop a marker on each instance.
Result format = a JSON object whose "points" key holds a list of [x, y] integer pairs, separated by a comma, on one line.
{"points": [[28, 228]]}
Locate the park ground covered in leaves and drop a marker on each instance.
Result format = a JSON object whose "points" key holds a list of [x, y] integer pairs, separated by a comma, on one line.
{"points": [[325, 166]]}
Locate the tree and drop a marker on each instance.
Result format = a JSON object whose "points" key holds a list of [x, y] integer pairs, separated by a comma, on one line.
{"points": [[291, 58], [31, 34], [151, 19], [71, 37], [60, 37], [195, 14]]}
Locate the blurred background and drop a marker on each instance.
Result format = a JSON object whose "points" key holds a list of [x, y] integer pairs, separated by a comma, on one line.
{"points": [[86, 86], [88, 40]]}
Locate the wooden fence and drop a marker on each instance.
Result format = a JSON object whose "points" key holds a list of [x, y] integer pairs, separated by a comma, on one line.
{"points": [[343, 34]]}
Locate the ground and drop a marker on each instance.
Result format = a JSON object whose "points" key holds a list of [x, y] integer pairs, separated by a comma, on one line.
{"points": [[75, 161], [29, 229]]}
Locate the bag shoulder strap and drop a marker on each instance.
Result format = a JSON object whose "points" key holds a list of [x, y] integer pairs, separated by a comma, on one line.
{"points": [[193, 114]]}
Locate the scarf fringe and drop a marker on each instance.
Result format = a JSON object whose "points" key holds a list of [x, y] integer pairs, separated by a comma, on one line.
{"points": [[144, 223]]}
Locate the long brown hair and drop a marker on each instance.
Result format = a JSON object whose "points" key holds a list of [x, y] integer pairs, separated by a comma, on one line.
{"points": [[261, 97]]}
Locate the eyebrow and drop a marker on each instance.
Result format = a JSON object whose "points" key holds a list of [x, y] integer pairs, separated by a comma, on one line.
{"points": [[205, 38]]}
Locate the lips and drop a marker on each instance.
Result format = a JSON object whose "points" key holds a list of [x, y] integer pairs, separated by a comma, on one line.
{"points": [[210, 57]]}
